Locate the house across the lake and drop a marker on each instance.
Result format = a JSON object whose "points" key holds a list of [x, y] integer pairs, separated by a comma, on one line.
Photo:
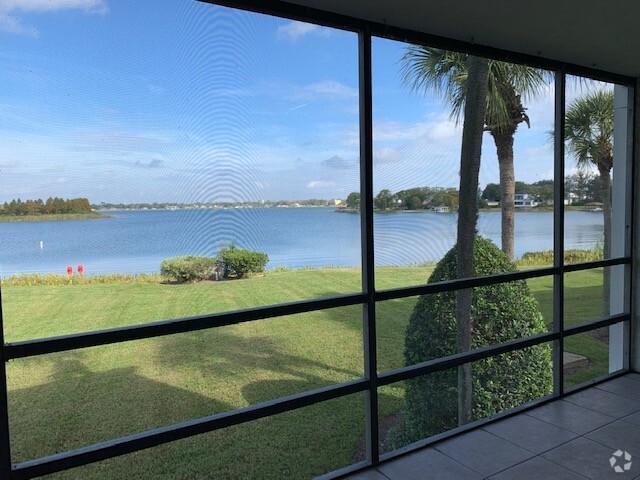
{"points": [[570, 198], [441, 209], [525, 200]]}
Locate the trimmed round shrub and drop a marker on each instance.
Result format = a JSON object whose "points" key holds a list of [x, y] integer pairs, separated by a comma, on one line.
{"points": [[188, 269], [499, 313], [241, 262]]}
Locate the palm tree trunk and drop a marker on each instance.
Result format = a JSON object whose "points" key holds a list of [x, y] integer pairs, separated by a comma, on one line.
{"points": [[605, 178], [504, 146], [474, 114]]}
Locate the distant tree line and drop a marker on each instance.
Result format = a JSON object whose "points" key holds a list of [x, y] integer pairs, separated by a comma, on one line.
{"points": [[586, 187], [542, 191], [310, 202], [51, 206], [417, 198]]}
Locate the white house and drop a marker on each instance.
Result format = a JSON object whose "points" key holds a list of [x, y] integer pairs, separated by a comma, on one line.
{"points": [[525, 200], [570, 198]]}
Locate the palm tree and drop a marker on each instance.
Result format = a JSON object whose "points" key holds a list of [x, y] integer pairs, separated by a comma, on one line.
{"points": [[588, 132], [468, 216], [446, 73]]}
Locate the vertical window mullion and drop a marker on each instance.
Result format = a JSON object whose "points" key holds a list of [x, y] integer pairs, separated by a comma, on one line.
{"points": [[620, 275], [366, 222], [558, 230], [632, 239], [5, 439]]}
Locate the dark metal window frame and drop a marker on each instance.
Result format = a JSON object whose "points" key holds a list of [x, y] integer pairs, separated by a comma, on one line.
{"points": [[367, 298]]}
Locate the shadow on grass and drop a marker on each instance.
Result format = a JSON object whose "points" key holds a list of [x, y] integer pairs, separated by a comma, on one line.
{"points": [[226, 356], [582, 304], [77, 407]]}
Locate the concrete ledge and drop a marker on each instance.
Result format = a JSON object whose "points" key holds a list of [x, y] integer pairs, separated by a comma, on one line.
{"points": [[573, 362]]}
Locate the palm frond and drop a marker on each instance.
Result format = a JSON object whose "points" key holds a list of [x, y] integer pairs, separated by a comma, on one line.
{"points": [[589, 128], [445, 73]]}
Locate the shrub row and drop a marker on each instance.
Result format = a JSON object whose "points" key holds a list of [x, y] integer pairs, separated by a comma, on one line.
{"points": [[230, 262], [34, 279], [189, 268], [539, 259]]}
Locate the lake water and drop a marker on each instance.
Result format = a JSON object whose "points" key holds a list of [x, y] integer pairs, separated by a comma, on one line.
{"points": [[137, 241]]}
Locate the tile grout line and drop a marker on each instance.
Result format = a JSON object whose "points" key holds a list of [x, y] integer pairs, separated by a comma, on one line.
{"points": [[614, 393], [529, 451], [604, 444], [456, 461], [605, 414], [576, 433], [587, 439], [556, 463], [540, 455], [535, 455], [545, 451], [375, 469], [509, 441]]}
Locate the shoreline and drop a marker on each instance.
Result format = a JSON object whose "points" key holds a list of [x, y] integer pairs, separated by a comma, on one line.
{"points": [[56, 217], [49, 279], [480, 210]]}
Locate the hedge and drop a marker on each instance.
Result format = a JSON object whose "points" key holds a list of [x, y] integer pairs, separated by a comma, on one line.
{"points": [[188, 269], [499, 313], [241, 262]]}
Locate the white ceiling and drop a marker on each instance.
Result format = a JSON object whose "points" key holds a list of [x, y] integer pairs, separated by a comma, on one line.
{"points": [[599, 34]]}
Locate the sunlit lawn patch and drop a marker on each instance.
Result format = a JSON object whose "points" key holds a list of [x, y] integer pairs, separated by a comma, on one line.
{"points": [[72, 399]]}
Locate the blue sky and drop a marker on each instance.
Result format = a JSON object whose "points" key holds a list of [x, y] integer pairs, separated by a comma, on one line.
{"points": [[181, 101]]}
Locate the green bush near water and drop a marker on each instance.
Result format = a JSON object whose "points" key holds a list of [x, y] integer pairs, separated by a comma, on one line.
{"points": [[535, 259], [188, 269], [499, 313], [241, 262]]}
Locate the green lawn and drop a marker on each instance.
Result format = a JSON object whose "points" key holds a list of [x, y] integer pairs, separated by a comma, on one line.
{"points": [[71, 399]]}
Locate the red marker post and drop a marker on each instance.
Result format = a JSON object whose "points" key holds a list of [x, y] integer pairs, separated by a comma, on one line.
{"points": [[80, 269], [69, 270]]}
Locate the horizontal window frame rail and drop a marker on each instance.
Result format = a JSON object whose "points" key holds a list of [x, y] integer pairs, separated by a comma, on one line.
{"points": [[43, 346], [151, 438], [339, 21], [462, 283], [607, 262], [595, 324], [457, 359], [159, 436], [485, 280]]}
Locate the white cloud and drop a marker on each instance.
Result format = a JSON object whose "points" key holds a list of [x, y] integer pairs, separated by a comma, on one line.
{"points": [[320, 184], [156, 89], [11, 9], [117, 141], [294, 30], [337, 162], [52, 5], [393, 131], [328, 89], [12, 25]]}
